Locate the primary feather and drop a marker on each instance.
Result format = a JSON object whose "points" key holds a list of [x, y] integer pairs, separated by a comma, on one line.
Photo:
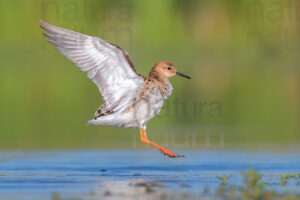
{"points": [[107, 65]]}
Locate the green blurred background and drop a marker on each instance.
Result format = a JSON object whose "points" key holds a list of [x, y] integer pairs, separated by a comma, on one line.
{"points": [[243, 57]]}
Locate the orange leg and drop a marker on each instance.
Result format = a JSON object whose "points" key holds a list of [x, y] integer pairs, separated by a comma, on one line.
{"points": [[165, 151]]}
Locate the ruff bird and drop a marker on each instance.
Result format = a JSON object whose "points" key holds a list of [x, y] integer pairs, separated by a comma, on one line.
{"points": [[130, 99]]}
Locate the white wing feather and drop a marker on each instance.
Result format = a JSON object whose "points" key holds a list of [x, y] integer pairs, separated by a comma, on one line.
{"points": [[108, 66]]}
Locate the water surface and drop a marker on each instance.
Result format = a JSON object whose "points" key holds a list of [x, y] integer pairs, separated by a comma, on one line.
{"points": [[90, 174]]}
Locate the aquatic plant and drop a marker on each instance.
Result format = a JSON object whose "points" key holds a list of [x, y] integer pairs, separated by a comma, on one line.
{"points": [[224, 179], [253, 187]]}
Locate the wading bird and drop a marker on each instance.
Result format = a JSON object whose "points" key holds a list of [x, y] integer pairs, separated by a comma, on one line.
{"points": [[131, 99]]}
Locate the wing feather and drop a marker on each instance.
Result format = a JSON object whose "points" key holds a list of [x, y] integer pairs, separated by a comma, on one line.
{"points": [[107, 65]]}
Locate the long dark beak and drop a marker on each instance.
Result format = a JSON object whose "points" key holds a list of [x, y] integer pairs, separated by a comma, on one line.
{"points": [[183, 75]]}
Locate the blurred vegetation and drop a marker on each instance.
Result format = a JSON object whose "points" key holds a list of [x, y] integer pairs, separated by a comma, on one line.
{"points": [[253, 187], [243, 57]]}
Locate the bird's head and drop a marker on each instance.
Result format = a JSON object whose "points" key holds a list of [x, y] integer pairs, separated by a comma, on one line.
{"points": [[165, 70]]}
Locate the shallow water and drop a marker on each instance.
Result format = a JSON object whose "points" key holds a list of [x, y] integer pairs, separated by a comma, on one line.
{"points": [[90, 174]]}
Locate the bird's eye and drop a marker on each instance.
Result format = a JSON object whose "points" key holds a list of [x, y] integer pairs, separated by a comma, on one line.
{"points": [[169, 68]]}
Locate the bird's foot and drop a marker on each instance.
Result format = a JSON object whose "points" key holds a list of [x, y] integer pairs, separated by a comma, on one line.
{"points": [[162, 150], [169, 153]]}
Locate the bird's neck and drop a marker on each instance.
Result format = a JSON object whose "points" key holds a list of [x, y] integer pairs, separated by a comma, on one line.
{"points": [[158, 77]]}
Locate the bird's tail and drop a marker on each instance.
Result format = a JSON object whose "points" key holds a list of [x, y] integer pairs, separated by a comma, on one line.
{"points": [[101, 120]]}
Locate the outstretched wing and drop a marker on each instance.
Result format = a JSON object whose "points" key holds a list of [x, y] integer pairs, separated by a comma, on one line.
{"points": [[108, 66]]}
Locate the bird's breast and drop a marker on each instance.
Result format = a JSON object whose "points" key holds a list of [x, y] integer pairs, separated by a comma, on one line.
{"points": [[165, 90]]}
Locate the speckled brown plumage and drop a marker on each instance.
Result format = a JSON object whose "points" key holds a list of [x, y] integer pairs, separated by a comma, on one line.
{"points": [[102, 110]]}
